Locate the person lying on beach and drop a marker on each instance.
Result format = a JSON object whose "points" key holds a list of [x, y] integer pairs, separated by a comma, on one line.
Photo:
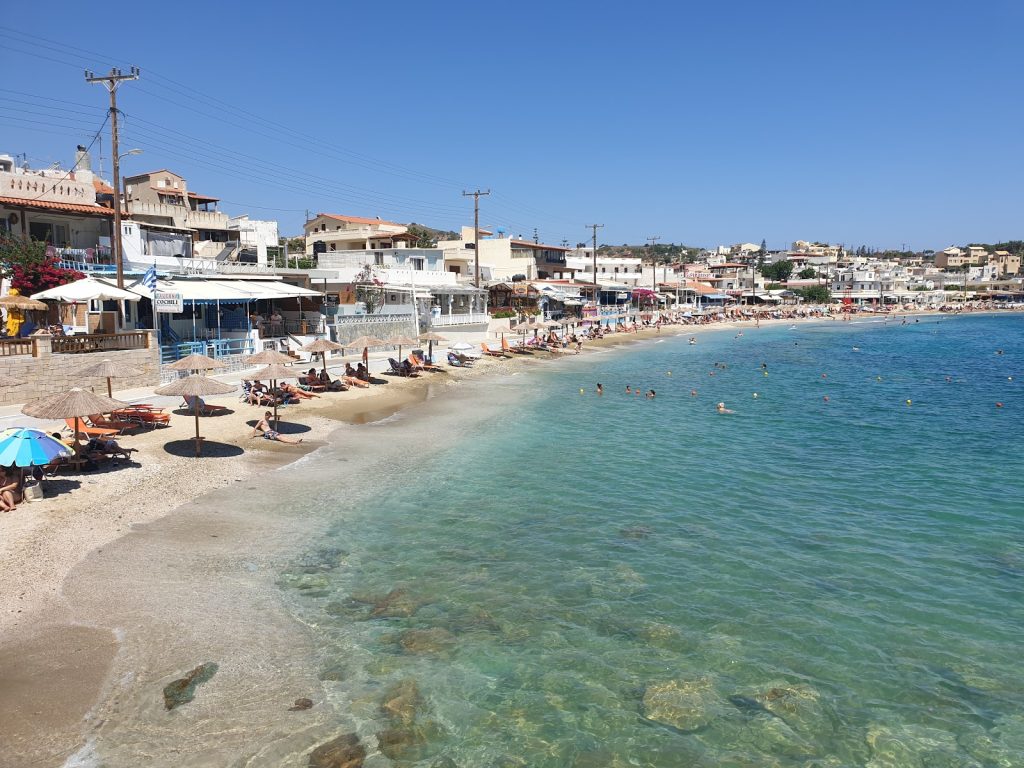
{"points": [[341, 384], [258, 395], [295, 392], [12, 488], [263, 428], [99, 448]]}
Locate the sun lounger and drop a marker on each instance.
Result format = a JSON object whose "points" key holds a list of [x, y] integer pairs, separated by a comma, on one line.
{"points": [[493, 353], [191, 401], [151, 417], [416, 360], [102, 422], [84, 430], [517, 349], [401, 369], [459, 361]]}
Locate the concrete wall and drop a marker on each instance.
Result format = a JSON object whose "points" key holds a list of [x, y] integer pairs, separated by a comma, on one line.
{"points": [[50, 374]]}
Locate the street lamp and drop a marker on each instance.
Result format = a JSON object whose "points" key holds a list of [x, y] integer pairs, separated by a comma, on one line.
{"points": [[130, 152]]}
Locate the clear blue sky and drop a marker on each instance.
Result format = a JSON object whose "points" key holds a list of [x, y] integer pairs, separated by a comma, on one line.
{"points": [[878, 123]]}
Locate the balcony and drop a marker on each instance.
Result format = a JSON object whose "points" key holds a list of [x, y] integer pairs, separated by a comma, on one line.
{"points": [[468, 318]]}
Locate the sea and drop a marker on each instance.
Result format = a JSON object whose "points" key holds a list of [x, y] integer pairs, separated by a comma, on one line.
{"points": [[830, 574]]}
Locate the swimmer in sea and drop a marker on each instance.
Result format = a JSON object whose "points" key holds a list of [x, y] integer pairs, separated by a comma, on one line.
{"points": [[600, 389], [650, 394], [628, 390], [722, 409]]}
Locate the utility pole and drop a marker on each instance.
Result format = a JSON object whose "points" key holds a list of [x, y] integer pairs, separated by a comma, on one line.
{"points": [[111, 82], [597, 300], [654, 268], [476, 232]]}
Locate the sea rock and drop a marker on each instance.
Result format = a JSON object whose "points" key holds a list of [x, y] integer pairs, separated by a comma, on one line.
{"points": [[403, 742], [343, 752], [914, 746], [800, 706], [636, 532], [1000, 747], [183, 690], [301, 704], [397, 603], [435, 641], [402, 702], [683, 704]]}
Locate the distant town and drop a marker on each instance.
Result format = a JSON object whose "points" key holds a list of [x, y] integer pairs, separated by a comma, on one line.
{"points": [[217, 271]]}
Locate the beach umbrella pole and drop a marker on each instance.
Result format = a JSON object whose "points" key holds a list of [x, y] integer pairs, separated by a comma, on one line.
{"points": [[195, 408], [273, 385], [110, 391]]}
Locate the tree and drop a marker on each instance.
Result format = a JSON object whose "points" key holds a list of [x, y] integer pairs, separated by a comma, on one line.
{"points": [[369, 289], [807, 273], [424, 238], [778, 272], [815, 294], [29, 269]]}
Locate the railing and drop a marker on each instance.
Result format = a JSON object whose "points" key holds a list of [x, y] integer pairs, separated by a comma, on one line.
{"points": [[469, 318], [99, 342], [12, 347], [218, 348]]}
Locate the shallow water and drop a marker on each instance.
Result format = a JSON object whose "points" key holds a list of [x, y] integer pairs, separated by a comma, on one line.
{"points": [[612, 581]]}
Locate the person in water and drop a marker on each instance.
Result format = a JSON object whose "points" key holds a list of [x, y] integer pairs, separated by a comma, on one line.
{"points": [[600, 389], [263, 427], [650, 394], [722, 409], [628, 390]]}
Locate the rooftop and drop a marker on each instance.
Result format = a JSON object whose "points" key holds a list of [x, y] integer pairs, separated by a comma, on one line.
{"points": [[359, 219]]}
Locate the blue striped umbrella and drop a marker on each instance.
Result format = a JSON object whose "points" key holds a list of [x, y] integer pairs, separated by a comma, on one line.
{"points": [[29, 448]]}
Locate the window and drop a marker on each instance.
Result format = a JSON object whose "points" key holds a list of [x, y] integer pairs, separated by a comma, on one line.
{"points": [[378, 259], [417, 264]]}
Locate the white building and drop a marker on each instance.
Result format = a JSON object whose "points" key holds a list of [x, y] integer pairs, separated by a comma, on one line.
{"points": [[328, 232], [254, 236], [501, 257]]}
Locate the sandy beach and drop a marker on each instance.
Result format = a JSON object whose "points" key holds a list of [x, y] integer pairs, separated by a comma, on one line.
{"points": [[111, 560]]}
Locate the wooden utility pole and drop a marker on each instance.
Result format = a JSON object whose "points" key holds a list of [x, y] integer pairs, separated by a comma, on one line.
{"points": [[476, 232], [111, 82], [654, 268], [594, 228]]}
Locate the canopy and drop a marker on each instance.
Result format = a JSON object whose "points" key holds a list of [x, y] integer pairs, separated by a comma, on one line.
{"points": [[29, 448], [86, 289], [208, 291]]}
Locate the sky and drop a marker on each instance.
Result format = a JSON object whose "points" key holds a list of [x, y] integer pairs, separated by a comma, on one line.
{"points": [[890, 124]]}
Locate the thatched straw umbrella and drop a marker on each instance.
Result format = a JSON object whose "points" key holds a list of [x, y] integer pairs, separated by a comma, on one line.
{"points": [[195, 386], [14, 301], [273, 372], [196, 363], [430, 337], [402, 341], [269, 357], [74, 403], [111, 370], [364, 343], [323, 346]]}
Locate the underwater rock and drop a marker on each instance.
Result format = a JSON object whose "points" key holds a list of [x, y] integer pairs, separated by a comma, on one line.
{"points": [[334, 672], [397, 603], [301, 704], [636, 532], [683, 704], [800, 706], [1001, 747], [434, 641], [402, 702], [402, 742], [183, 690], [342, 752]]}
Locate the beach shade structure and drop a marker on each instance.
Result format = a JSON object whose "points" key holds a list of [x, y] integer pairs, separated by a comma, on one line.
{"points": [[364, 343], [111, 370], [269, 357], [73, 404], [22, 447], [196, 363], [195, 386], [272, 373], [323, 346], [402, 341], [430, 337], [15, 301]]}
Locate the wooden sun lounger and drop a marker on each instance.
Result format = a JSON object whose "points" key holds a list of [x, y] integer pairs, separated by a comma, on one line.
{"points": [[493, 353], [84, 430], [518, 350], [102, 422]]}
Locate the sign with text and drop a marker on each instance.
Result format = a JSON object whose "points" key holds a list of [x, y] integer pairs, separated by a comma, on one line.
{"points": [[164, 301]]}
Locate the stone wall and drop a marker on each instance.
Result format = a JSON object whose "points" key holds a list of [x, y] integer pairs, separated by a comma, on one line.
{"points": [[49, 373]]}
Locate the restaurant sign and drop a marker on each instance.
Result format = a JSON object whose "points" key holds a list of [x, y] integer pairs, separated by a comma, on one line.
{"points": [[165, 301]]}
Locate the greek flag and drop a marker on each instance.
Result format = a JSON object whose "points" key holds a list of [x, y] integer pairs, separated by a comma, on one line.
{"points": [[149, 279]]}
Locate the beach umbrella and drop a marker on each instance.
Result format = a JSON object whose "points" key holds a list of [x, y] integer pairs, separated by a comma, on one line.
{"points": [[111, 370], [29, 448], [269, 357], [73, 404], [15, 301], [430, 337], [272, 372], [402, 341], [195, 363], [195, 386], [323, 346], [364, 343]]}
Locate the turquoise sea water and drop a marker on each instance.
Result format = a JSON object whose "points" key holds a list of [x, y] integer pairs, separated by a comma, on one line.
{"points": [[575, 580]]}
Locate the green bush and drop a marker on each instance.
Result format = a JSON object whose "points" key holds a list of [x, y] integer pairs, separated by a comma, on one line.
{"points": [[503, 313]]}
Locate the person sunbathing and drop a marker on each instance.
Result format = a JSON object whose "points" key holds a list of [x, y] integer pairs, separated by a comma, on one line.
{"points": [[263, 428], [99, 448], [12, 488], [295, 393], [362, 373], [258, 395]]}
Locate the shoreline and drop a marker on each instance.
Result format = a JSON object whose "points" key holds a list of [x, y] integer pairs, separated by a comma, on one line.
{"points": [[35, 663]]}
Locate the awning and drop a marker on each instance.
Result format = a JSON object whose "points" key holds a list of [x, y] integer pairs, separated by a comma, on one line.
{"points": [[717, 296], [232, 291]]}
